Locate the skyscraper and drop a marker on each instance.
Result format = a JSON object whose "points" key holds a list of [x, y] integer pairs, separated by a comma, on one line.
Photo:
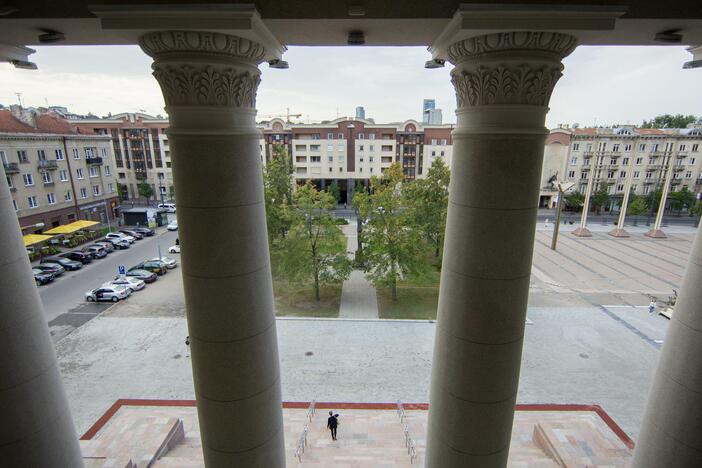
{"points": [[360, 112], [430, 114]]}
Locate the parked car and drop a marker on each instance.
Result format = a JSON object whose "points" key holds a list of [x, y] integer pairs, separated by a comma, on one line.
{"points": [[53, 268], [145, 231], [118, 243], [135, 284], [174, 249], [173, 225], [96, 250], [78, 256], [132, 232], [67, 263], [169, 207], [145, 276], [108, 293], [169, 262], [42, 277], [119, 236], [155, 267], [105, 245]]}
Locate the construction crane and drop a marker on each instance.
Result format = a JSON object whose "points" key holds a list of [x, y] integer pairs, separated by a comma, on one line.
{"points": [[287, 115]]}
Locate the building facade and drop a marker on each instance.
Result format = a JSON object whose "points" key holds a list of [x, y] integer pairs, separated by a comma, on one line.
{"points": [[613, 156], [56, 175], [141, 150]]}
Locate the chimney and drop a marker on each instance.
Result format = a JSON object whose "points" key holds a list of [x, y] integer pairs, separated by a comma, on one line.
{"points": [[26, 116]]}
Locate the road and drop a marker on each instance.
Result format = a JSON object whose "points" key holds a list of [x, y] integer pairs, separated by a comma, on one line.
{"points": [[67, 293]]}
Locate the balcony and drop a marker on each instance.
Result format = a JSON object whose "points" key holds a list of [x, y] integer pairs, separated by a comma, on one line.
{"points": [[47, 164], [94, 161], [678, 168], [140, 175], [49, 184], [11, 168]]}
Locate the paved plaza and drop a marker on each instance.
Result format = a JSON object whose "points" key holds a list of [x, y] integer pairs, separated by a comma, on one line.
{"points": [[589, 339]]}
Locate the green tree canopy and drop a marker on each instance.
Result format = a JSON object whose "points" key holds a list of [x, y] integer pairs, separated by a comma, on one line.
{"points": [[683, 199], [574, 200], [122, 191], [334, 191], [393, 247], [653, 199], [315, 247], [600, 198], [146, 190], [427, 202], [669, 121], [637, 206], [278, 193]]}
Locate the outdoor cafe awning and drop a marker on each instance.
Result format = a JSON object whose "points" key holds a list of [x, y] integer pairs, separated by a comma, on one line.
{"points": [[72, 227], [31, 239]]}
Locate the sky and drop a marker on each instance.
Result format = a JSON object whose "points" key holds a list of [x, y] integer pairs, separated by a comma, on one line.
{"points": [[600, 85]]}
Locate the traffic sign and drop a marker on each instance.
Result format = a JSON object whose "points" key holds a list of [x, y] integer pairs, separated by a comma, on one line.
{"points": [[121, 269]]}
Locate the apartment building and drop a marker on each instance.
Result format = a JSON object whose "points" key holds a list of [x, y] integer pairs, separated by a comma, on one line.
{"points": [[56, 175], [615, 156], [351, 150], [141, 150]]}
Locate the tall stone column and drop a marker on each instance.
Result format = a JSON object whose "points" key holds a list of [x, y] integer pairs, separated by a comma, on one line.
{"points": [[503, 84], [656, 232], [209, 82], [671, 433], [36, 427], [583, 231]]}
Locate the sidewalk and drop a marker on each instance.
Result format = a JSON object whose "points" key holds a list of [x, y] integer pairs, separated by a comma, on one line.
{"points": [[358, 298]]}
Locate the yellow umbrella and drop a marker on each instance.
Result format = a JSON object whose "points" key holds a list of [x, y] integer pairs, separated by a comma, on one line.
{"points": [[72, 227], [82, 224], [31, 239]]}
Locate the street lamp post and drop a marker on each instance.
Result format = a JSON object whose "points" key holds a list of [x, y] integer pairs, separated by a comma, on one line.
{"points": [[562, 187]]}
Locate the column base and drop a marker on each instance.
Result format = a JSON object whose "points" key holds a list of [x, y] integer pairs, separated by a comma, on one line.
{"points": [[618, 233], [656, 234], [582, 232]]}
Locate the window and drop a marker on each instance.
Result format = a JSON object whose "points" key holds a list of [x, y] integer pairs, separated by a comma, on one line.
{"points": [[301, 148], [610, 174], [330, 136], [636, 174], [41, 154], [612, 161], [642, 147], [625, 161], [370, 158], [361, 159], [341, 136], [360, 136], [576, 146], [67, 196], [633, 188], [360, 169], [586, 162], [371, 136], [92, 171], [50, 197], [330, 158], [14, 205], [602, 146], [654, 148], [59, 154], [649, 174], [315, 159], [622, 174], [371, 169], [583, 175], [88, 152], [79, 172], [574, 161], [3, 157], [96, 190], [314, 147], [652, 160], [330, 169], [695, 147], [386, 148], [104, 152], [330, 148], [341, 147], [442, 153], [620, 188], [9, 181], [22, 156], [76, 153], [571, 174], [639, 161], [627, 147], [107, 171], [692, 161], [28, 180], [371, 148], [46, 177], [588, 148], [122, 175], [433, 141], [688, 175], [341, 169], [360, 148], [682, 147], [32, 201], [83, 193], [615, 148], [433, 153]]}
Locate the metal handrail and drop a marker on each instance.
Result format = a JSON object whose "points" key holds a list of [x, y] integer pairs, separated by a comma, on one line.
{"points": [[409, 441], [302, 441]]}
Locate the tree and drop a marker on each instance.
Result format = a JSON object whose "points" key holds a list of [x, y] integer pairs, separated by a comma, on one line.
{"points": [[278, 193], [146, 191], [653, 199], [334, 191], [574, 200], [171, 192], [427, 200], [121, 191], [393, 247], [683, 199], [600, 198], [315, 247], [669, 121], [637, 206]]}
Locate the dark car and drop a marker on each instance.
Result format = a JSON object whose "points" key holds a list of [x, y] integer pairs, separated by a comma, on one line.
{"points": [[145, 231], [146, 276], [155, 267], [67, 263], [53, 268], [132, 232], [78, 256], [42, 277]]}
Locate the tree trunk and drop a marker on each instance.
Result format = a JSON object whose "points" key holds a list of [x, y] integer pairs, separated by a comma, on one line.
{"points": [[316, 286], [393, 287]]}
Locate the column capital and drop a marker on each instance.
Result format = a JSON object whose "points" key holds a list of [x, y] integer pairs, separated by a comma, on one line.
{"points": [[515, 43], [203, 68]]}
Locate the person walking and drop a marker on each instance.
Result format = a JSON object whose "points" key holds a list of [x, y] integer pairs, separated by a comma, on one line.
{"points": [[652, 307], [332, 423]]}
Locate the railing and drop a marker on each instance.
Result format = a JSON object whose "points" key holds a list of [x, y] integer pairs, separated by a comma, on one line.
{"points": [[11, 167], [409, 442], [97, 160], [302, 441], [47, 164]]}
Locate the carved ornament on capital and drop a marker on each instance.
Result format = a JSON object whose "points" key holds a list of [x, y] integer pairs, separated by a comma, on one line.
{"points": [[204, 68], [515, 68]]}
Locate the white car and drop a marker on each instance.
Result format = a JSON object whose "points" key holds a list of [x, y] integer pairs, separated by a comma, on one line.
{"points": [[174, 249], [119, 236], [108, 293], [172, 226], [129, 282], [169, 207], [170, 263]]}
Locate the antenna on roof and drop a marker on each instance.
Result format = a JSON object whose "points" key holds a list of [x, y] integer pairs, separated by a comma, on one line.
{"points": [[19, 98]]}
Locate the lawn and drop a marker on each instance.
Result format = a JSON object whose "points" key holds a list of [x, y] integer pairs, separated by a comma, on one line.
{"points": [[297, 300], [413, 302]]}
